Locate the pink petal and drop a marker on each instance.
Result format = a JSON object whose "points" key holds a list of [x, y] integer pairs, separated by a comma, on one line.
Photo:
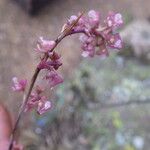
{"points": [[85, 54], [45, 45], [114, 41], [72, 19], [114, 20], [43, 107], [19, 85], [54, 78]]}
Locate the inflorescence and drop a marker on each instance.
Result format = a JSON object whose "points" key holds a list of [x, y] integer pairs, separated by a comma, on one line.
{"points": [[97, 38]]}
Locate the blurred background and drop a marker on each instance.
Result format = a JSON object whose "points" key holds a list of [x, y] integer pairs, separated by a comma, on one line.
{"points": [[103, 103]]}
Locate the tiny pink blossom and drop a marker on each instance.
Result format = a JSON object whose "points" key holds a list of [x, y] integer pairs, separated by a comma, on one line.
{"points": [[38, 102], [85, 54], [83, 38], [89, 48], [114, 41], [94, 15], [52, 64], [79, 26], [43, 106], [54, 56], [72, 19], [44, 65], [114, 20], [19, 85], [94, 18], [44, 45], [54, 78], [32, 101]]}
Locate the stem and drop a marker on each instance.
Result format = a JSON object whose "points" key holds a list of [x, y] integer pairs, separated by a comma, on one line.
{"points": [[67, 32], [22, 108]]}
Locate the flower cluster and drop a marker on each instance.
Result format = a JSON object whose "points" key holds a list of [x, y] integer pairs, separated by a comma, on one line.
{"points": [[50, 65], [37, 101], [98, 37]]}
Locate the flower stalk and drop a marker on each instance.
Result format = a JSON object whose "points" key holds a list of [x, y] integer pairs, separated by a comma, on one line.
{"points": [[96, 39]]}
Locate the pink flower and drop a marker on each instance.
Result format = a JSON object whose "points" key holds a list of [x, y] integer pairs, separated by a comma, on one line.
{"points": [[72, 19], [88, 45], [33, 101], [85, 24], [54, 56], [54, 78], [114, 20], [19, 85], [79, 26], [88, 50], [94, 15], [43, 106], [55, 60], [93, 18], [44, 65], [49, 65], [97, 38], [38, 102], [114, 41], [83, 38], [45, 45], [85, 54], [53, 64], [34, 98]]}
